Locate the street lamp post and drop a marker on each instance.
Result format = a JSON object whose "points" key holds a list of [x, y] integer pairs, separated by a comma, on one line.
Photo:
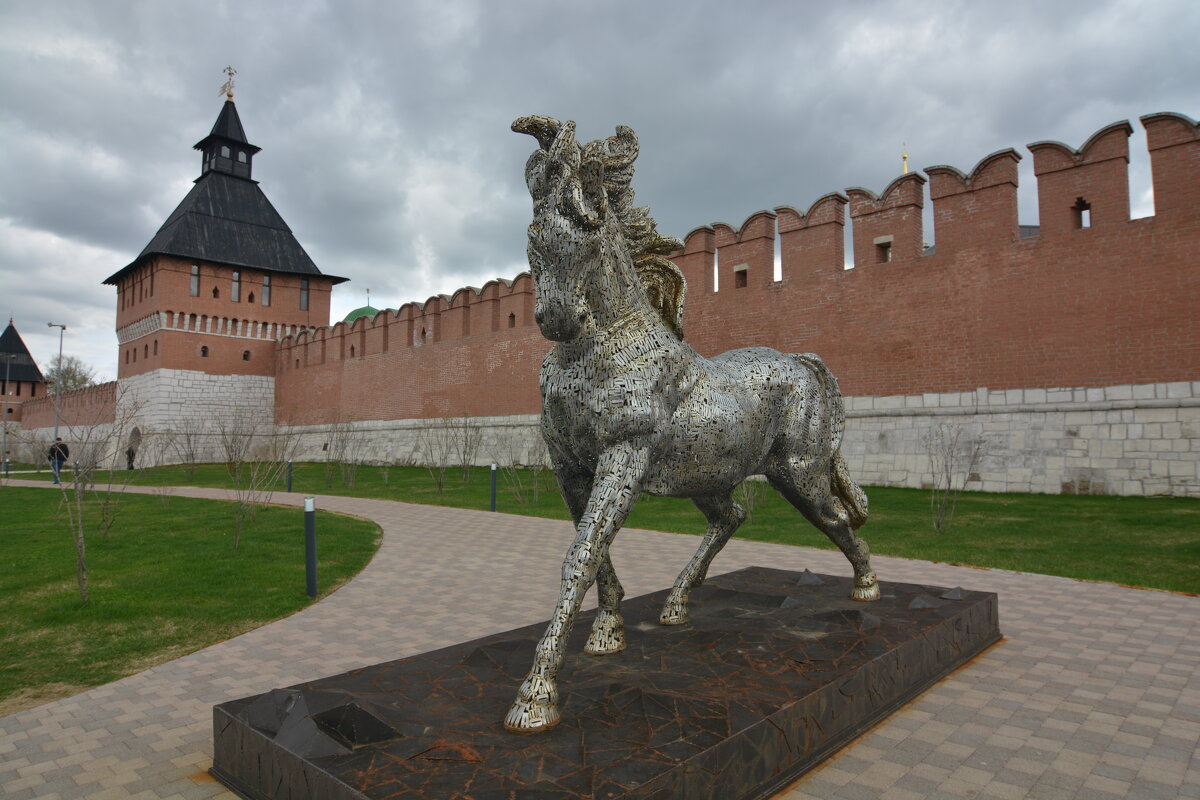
{"points": [[8, 358], [58, 381]]}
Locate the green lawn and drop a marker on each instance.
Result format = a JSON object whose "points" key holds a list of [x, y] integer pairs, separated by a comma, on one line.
{"points": [[165, 581], [1139, 541]]}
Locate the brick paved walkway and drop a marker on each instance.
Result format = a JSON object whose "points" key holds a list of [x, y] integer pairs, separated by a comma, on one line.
{"points": [[1095, 693]]}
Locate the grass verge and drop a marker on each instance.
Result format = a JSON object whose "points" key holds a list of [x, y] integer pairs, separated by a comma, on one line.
{"points": [[1152, 542], [164, 582]]}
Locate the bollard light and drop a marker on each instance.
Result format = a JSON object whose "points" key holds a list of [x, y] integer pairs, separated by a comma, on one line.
{"points": [[310, 546], [493, 487]]}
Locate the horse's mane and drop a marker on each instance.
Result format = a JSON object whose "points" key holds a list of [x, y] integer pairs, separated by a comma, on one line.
{"points": [[664, 283], [575, 169]]}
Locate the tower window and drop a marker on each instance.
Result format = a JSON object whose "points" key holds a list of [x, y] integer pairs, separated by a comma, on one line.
{"points": [[135, 355], [266, 292], [250, 297], [216, 292], [245, 355], [304, 294], [352, 351], [145, 351], [512, 320], [883, 249], [235, 288], [194, 291], [740, 276], [1082, 212], [204, 351], [156, 347], [242, 156], [224, 151]]}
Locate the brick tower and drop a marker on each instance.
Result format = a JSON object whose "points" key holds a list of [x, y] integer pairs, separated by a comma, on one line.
{"points": [[201, 307]]}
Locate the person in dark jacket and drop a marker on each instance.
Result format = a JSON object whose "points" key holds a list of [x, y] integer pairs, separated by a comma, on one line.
{"points": [[59, 453]]}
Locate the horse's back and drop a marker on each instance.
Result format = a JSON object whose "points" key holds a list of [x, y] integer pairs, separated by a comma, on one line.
{"points": [[802, 395]]}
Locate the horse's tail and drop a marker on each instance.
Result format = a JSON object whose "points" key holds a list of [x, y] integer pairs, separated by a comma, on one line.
{"points": [[849, 492]]}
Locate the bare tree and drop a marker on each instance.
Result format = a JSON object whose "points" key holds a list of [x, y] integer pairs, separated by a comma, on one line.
{"points": [[750, 494], [467, 434], [183, 442], [122, 436], [89, 446], [236, 435], [954, 456], [435, 448], [256, 461], [524, 469], [339, 446]]}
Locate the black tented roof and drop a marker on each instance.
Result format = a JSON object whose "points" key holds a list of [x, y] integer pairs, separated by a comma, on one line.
{"points": [[23, 367], [226, 219]]}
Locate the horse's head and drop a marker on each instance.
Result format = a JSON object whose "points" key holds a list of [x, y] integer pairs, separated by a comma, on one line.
{"points": [[586, 238], [569, 213]]}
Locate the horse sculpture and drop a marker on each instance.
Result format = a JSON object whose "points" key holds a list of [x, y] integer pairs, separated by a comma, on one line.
{"points": [[628, 407]]}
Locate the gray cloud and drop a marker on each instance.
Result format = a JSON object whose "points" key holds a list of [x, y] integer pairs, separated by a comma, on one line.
{"points": [[385, 125]]}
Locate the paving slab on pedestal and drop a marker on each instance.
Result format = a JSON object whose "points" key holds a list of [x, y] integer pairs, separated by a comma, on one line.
{"points": [[775, 672]]}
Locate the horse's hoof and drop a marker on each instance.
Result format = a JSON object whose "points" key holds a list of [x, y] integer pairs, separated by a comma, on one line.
{"points": [[535, 709], [531, 717], [675, 612], [608, 635], [865, 589]]}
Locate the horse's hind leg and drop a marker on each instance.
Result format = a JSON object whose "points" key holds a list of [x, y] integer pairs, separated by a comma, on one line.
{"points": [[724, 516], [812, 497]]}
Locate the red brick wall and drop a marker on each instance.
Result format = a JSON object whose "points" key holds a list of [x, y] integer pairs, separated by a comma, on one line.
{"points": [[1112, 303], [95, 405], [468, 362]]}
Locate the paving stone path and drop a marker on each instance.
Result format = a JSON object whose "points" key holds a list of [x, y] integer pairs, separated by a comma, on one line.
{"points": [[1095, 692]]}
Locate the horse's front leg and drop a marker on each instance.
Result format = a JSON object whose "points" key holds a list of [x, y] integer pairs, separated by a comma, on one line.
{"points": [[608, 630], [615, 488]]}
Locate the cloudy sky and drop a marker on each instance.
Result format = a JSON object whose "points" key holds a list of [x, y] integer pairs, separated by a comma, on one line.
{"points": [[385, 125]]}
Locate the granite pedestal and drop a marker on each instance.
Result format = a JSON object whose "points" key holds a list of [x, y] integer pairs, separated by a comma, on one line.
{"points": [[775, 672]]}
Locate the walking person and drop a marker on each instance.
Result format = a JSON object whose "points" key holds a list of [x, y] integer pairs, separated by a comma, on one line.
{"points": [[59, 453]]}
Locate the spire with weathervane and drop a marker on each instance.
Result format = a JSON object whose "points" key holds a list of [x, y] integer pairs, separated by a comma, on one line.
{"points": [[226, 148]]}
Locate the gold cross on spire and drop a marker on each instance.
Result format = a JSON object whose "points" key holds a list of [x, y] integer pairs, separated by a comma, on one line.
{"points": [[904, 156], [227, 87]]}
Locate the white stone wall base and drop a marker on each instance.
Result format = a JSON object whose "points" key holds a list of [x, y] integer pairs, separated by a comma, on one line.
{"points": [[1125, 440]]}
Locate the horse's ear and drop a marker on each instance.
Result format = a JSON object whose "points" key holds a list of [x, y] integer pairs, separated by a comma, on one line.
{"points": [[591, 182], [544, 129]]}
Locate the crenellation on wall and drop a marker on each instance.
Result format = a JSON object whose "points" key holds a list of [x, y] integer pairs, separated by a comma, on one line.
{"points": [[1084, 188], [810, 243], [1174, 162], [975, 210], [888, 228]]}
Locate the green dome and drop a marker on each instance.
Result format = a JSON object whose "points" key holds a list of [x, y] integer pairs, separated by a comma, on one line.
{"points": [[365, 311]]}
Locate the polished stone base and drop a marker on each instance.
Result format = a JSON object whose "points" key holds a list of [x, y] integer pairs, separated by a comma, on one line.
{"points": [[775, 672]]}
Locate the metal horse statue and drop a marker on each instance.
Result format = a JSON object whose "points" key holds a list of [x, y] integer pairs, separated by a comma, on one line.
{"points": [[628, 407]]}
